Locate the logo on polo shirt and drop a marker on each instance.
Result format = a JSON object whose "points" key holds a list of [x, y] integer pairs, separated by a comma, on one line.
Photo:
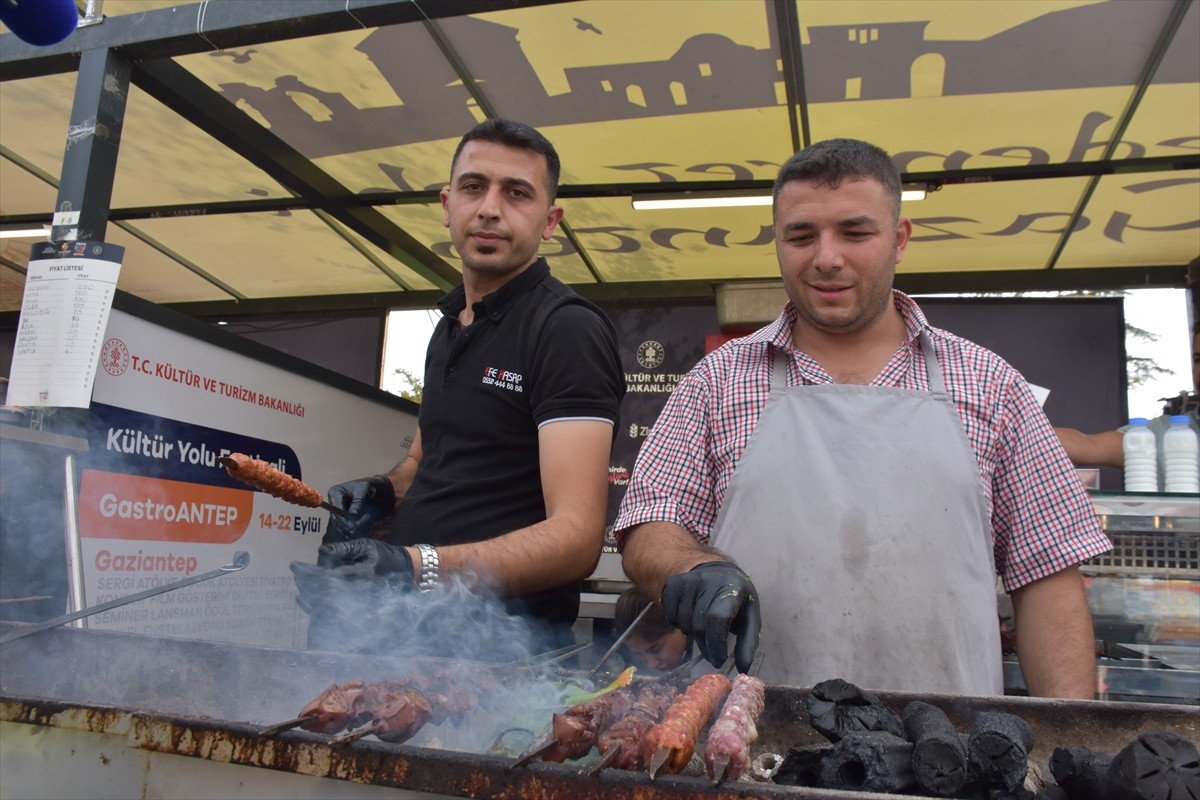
{"points": [[503, 379]]}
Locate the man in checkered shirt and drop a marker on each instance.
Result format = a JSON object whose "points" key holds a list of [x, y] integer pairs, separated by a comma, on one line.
{"points": [[844, 485]]}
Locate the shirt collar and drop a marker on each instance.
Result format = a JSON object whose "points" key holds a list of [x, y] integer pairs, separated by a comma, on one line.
{"points": [[500, 301]]}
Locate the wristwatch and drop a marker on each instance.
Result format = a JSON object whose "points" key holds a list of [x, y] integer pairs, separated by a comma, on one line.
{"points": [[429, 567]]}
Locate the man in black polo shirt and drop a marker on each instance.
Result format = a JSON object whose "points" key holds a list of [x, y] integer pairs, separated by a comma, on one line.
{"points": [[505, 484]]}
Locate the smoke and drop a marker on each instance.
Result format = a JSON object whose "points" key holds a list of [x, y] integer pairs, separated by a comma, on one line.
{"points": [[463, 633], [458, 620]]}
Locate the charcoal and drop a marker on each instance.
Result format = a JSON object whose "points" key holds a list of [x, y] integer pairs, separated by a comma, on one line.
{"points": [[939, 752], [1158, 765], [998, 749], [870, 761], [837, 708], [1050, 792], [802, 766], [1080, 771]]}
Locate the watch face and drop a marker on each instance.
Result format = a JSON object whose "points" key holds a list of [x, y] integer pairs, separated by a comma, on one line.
{"points": [[650, 354]]}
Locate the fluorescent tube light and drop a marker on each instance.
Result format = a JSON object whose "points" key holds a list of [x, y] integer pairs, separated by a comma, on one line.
{"points": [[747, 197], [652, 202], [24, 233]]}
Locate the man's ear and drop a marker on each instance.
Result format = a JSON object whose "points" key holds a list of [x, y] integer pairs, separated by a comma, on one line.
{"points": [[903, 233], [553, 217]]}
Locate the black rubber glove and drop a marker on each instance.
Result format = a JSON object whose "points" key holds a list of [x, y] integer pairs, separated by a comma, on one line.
{"points": [[366, 500], [365, 559], [711, 601], [346, 567]]}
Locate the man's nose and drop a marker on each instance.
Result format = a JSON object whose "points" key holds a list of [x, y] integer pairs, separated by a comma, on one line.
{"points": [[489, 206], [828, 253]]}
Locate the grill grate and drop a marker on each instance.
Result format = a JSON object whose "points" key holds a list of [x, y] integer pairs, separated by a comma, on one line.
{"points": [[1158, 554]]}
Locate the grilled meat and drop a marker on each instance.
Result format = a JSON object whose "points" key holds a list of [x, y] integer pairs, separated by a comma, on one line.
{"points": [[576, 729], [627, 732], [730, 738], [669, 745], [262, 476], [331, 710]]}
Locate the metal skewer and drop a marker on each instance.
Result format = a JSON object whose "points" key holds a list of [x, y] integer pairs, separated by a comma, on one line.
{"points": [[540, 746], [332, 509], [240, 561], [353, 735], [720, 766], [657, 760], [684, 669], [612, 755], [620, 640], [286, 726]]}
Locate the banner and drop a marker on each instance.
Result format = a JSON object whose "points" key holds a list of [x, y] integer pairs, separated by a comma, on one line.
{"points": [[658, 347], [156, 506]]}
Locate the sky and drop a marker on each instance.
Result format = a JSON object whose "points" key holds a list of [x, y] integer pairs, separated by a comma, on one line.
{"points": [[1164, 312], [1160, 311]]}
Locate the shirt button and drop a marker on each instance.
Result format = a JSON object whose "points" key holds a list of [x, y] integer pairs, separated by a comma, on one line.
{"points": [[452, 368]]}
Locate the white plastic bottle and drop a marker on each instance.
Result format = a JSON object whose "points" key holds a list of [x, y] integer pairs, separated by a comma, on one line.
{"points": [[1141, 457], [1181, 457]]}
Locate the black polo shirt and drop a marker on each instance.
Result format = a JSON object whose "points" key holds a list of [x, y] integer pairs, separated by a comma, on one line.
{"points": [[535, 352]]}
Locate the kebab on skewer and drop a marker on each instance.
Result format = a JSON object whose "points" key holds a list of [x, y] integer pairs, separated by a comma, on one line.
{"points": [[575, 730], [727, 754], [395, 713], [621, 744], [262, 476], [584, 720], [328, 712], [344, 707], [669, 745]]}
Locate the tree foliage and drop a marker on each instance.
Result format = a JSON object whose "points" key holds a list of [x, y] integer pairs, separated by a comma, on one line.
{"points": [[416, 387], [1140, 369]]}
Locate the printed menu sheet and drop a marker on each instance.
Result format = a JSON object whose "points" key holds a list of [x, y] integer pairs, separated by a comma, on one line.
{"points": [[68, 295]]}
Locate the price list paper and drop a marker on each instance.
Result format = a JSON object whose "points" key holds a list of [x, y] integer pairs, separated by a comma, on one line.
{"points": [[68, 295]]}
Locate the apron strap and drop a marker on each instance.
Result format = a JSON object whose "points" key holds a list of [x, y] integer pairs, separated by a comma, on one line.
{"points": [[779, 359], [933, 369]]}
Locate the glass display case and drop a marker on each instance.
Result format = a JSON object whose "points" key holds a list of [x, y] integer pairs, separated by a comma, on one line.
{"points": [[1144, 595]]}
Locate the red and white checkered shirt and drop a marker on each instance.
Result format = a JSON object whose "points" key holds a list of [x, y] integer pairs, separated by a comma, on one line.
{"points": [[1042, 518]]}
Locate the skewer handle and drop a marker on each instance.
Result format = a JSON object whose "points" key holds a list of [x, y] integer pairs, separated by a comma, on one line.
{"points": [[657, 760], [354, 735], [613, 753], [286, 726], [720, 765], [536, 749]]}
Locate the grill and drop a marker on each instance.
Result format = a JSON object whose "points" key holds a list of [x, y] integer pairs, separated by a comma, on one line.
{"points": [[208, 701]]}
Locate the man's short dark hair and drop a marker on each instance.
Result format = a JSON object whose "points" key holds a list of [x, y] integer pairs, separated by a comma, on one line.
{"points": [[833, 161], [519, 135]]}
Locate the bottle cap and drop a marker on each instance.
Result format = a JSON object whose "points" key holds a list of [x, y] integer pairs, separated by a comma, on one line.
{"points": [[1139, 421], [1179, 419]]}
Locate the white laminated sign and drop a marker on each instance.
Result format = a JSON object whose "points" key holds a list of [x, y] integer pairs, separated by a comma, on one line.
{"points": [[68, 295]]}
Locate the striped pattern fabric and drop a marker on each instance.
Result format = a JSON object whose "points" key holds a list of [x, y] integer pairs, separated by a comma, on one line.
{"points": [[1042, 518]]}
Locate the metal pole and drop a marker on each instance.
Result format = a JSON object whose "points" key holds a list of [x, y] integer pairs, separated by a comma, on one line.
{"points": [[75, 593]]}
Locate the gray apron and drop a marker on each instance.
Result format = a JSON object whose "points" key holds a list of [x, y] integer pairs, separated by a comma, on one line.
{"points": [[859, 514]]}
